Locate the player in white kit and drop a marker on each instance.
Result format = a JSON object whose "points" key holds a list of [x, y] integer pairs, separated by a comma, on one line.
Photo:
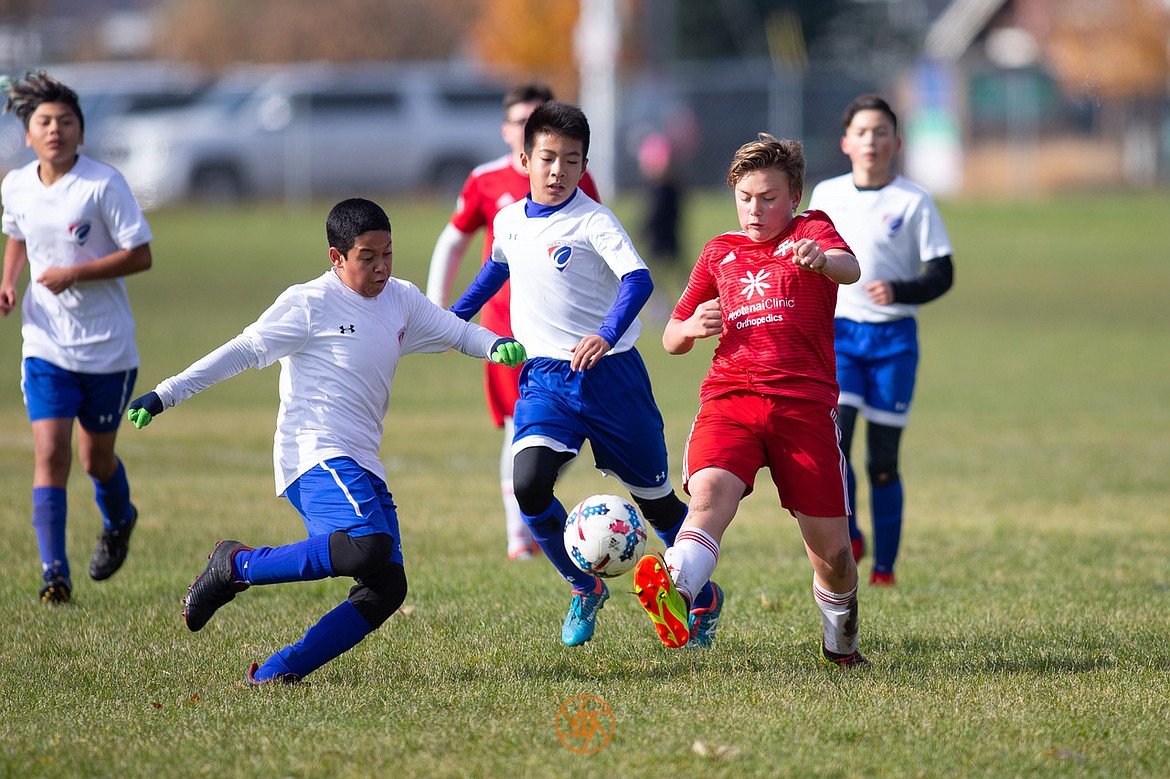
{"points": [[74, 223], [905, 256], [338, 339]]}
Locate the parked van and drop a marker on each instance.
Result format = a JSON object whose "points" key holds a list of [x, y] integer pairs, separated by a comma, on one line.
{"points": [[312, 130]]}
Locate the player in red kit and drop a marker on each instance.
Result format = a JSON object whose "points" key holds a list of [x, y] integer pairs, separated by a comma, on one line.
{"points": [[769, 400], [489, 188]]}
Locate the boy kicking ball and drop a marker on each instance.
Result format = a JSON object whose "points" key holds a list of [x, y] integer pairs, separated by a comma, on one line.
{"points": [[338, 339], [769, 399]]}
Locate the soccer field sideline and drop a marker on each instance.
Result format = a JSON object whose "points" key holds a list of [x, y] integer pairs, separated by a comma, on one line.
{"points": [[1026, 635]]}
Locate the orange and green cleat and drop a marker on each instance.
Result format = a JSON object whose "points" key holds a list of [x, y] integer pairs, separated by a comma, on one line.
{"points": [[662, 600]]}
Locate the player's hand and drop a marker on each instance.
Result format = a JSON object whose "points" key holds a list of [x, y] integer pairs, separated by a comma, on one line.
{"points": [[57, 280], [881, 293], [508, 351], [807, 254], [707, 320], [588, 351], [144, 408], [7, 300]]}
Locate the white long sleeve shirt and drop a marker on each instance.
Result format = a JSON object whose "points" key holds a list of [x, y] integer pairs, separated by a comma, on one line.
{"points": [[338, 352]]}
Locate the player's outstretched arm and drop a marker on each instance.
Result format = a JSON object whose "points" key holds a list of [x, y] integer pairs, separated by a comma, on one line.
{"points": [[144, 408], [508, 351]]}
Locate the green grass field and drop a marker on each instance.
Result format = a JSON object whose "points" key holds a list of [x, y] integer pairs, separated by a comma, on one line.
{"points": [[1027, 635]]}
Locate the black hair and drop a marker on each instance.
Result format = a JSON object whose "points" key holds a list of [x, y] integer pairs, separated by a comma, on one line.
{"points": [[350, 218], [28, 93], [532, 92], [868, 103], [557, 118]]}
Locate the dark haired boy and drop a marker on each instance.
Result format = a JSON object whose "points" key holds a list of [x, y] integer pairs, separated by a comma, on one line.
{"points": [[338, 339], [74, 222]]}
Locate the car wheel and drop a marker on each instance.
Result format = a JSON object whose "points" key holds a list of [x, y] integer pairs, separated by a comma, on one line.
{"points": [[218, 184]]}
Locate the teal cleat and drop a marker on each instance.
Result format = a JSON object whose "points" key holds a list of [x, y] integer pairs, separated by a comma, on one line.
{"points": [[702, 622], [582, 617]]}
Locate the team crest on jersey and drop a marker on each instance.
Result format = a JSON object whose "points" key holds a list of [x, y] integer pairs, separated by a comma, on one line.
{"points": [[893, 224], [755, 284], [79, 233], [560, 254]]}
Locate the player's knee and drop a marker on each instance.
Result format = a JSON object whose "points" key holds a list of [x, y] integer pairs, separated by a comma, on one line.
{"points": [[883, 474], [534, 474], [361, 555], [379, 594], [662, 513]]}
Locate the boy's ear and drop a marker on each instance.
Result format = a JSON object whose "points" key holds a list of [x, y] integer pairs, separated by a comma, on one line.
{"points": [[335, 257], [524, 161]]}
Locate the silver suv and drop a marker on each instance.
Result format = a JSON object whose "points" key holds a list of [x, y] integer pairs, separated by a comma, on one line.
{"points": [[313, 130]]}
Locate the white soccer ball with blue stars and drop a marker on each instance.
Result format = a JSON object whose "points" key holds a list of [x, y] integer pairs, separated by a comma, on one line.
{"points": [[605, 535]]}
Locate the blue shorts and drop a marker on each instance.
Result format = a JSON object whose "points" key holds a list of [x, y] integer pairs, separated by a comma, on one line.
{"points": [[877, 363], [339, 494], [97, 400], [610, 404]]}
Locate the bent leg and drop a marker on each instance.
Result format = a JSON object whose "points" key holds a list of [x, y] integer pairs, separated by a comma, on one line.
{"points": [[886, 494]]}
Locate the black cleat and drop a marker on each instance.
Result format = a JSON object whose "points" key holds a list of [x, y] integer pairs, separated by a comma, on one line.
{"points": [[252, 681], [852, 660], [111, 549], [57, 589], [214, 587]]}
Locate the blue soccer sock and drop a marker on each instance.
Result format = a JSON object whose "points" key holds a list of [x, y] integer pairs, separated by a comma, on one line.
{"points": [[887, 524], [548, 530], [334, 634], [48, 519], [851, 487], [669, 534], [113, 499], [303, 561]]}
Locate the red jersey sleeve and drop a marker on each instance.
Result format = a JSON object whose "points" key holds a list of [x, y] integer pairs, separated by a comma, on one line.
{"points": [[701, 285], [469, 213]]}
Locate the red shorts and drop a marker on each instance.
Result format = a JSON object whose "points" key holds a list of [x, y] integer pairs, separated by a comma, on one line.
{"points": [[501, 384], [795, 438]]}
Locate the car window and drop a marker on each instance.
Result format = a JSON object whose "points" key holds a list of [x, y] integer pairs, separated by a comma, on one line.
{"points": [[354, 102], [470, 99]]}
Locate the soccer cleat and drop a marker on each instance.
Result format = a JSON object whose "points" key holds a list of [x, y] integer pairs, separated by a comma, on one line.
{"points": [[852, 660], [662, 600], [57, 588], [882, 578], [252, 681], [582, 617], [111, 549], [858, 547], [703, 621], [214, 587]]}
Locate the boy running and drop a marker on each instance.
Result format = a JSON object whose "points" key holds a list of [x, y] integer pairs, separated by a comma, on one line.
{"points": [[905, 258], [577, 287], [338, 339], [488, 189], [769, 400], [73, 221]]}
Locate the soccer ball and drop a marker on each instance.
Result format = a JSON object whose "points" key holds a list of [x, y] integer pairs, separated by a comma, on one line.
{"points": [[605, 535]]}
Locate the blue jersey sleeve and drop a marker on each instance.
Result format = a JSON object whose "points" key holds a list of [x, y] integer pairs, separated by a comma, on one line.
{"points": [[632, 295], [486, 283]]}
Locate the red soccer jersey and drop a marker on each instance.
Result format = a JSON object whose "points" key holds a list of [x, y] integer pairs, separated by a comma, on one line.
{"points": [[777, 318], [489, 188]]}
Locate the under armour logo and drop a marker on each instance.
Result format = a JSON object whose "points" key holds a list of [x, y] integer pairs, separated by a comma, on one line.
{"points": [[347, 328], [105, 419]]}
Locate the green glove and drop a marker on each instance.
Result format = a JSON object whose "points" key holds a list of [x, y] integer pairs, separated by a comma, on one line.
{"points": [[144, 408], [508, 351]]}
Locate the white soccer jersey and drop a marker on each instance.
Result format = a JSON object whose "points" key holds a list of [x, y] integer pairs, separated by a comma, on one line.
{"points": [[338, 351], [565, 270], [88, 214], [892, 231]]}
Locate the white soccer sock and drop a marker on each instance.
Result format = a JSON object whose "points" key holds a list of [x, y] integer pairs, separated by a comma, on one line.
{"points": [[691, 561], [519, 535], [838, 618]]}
